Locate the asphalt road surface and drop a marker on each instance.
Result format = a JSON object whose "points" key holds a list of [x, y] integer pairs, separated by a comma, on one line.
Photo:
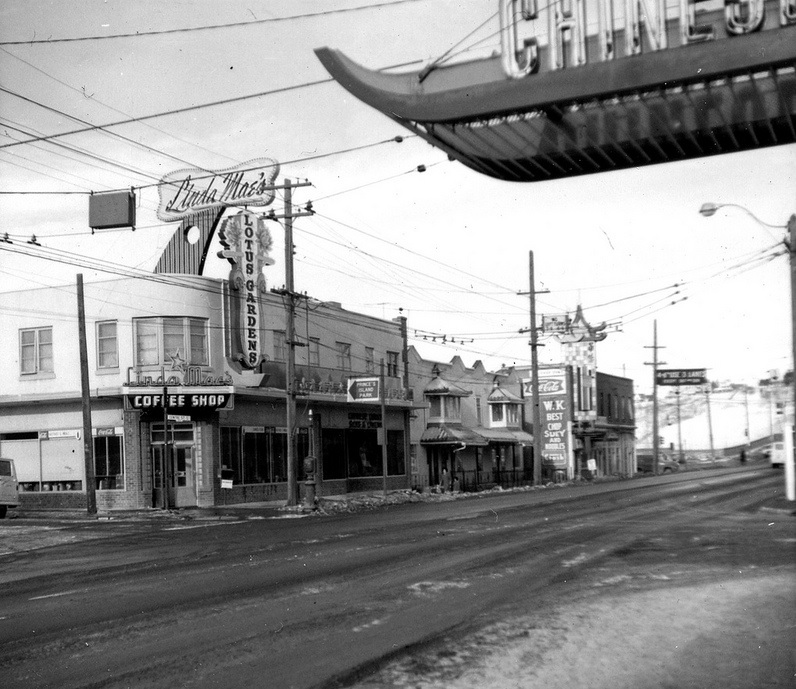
{"points": [[656, 582]]}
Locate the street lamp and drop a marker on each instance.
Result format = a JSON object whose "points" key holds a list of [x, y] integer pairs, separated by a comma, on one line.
{"points": [[709, 209]]}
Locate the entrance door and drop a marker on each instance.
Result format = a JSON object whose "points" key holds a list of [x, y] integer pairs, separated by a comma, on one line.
{"points": [[180, 476]]}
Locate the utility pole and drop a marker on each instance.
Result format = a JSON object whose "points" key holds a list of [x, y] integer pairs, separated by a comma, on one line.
{"points": [[710, 421], [383, 401], [789, 430], [88, 440], [655, 363], [290, 334], [537, 409], [679, 426]]}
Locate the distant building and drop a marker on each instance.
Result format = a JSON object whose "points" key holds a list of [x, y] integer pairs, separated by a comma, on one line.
{"points": [[472, 432]]}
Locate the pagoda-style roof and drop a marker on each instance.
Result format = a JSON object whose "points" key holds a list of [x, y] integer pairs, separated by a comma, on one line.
{"points": [[499, 394], [580, 330], [438, 386], [730, 93]]}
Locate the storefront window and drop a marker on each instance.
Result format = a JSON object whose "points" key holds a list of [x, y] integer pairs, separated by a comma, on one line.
{"points": [[230, 452], [108, 464], [396, 460], [334, 453], [259, 454]]}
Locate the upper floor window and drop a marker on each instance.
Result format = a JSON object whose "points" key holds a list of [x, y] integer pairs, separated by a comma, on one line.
{"points": [[505, 414], [280, 345], [107, 345], [392, 364], [478, 418], [168, 340], [445, 408], [343, 356], [513, 414], [36, 350], [370, 360], [315, 351]]}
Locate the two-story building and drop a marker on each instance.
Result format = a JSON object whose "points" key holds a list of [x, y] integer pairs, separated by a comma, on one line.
{"points": [[188, 394], [471, 432]]}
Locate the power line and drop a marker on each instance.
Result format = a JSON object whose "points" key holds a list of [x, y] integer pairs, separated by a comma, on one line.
{"points": [[126, 139], [166, 113], [212, 27]]}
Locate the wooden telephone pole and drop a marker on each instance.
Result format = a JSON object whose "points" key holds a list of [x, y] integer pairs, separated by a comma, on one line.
{"points": [[291, 298], [654, 363], [534, 342]]}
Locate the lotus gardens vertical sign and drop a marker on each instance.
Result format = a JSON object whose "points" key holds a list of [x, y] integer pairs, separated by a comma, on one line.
{"points": [[247, 244]]}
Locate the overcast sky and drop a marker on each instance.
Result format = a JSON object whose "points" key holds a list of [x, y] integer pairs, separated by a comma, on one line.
{"points": [[448, 246]]}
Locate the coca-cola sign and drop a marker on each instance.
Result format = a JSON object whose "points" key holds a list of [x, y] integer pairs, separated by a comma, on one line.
{"points": [[192, 190], [550, 386]]}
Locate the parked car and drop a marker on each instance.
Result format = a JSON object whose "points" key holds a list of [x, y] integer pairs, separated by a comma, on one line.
{"points": [[666, 465], [9, 489]]}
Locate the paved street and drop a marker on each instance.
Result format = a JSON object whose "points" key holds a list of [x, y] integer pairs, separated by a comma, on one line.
{"points": [[655, 582]]}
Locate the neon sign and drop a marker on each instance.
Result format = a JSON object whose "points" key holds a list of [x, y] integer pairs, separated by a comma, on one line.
{"points": [[247, 243], [645, 26], [189, 191]]}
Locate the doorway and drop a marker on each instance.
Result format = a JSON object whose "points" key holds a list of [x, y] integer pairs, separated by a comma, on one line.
{"points": [[180, 476], [173, 466]]}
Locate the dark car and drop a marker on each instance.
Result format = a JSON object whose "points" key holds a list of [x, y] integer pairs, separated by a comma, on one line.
{"points": [[666, 465]]}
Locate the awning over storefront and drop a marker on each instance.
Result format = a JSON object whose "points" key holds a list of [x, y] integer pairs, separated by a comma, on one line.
{"points": [[501, 435], [451, 435]]}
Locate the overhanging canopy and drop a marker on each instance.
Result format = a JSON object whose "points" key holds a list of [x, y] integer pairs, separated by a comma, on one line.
{"points": [[691, 101]]}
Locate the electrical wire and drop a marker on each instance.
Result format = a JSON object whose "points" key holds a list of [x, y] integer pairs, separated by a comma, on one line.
{"points": [[212, 27]]}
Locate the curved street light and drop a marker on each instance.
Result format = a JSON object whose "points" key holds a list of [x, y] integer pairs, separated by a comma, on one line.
{"points": [[709, 209]]}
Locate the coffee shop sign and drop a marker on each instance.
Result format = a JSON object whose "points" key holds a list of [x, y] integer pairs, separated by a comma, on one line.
{"points": [[185, 192]]}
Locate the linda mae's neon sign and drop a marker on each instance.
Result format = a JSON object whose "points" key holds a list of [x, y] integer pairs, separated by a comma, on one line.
{"points": [[189, 191], [645, 26]]}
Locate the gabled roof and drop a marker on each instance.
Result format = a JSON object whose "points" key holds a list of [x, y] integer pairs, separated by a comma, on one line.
{"points": [[499, 394], [438, 386]]}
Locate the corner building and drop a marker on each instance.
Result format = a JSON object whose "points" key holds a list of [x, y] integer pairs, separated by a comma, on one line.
{"points": [[174, 404]]}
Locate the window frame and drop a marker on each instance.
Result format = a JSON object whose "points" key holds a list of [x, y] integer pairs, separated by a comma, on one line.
{"points": [[105, 338], [314, 351], [39, 368], [343, 355], [392, 364], [280, 345], [158, 327], [370, 360]]}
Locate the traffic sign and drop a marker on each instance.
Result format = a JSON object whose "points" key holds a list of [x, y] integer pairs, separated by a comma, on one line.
{"points": [[363, 390], [681, 376]]}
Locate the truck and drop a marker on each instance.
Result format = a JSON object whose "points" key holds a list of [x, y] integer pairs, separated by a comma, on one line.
{"points": [[9, 488]]}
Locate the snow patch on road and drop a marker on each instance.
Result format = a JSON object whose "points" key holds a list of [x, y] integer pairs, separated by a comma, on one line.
{"points": [[428, 588]]}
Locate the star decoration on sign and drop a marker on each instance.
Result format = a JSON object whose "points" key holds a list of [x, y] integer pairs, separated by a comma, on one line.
{"points": [[177, 362]]}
